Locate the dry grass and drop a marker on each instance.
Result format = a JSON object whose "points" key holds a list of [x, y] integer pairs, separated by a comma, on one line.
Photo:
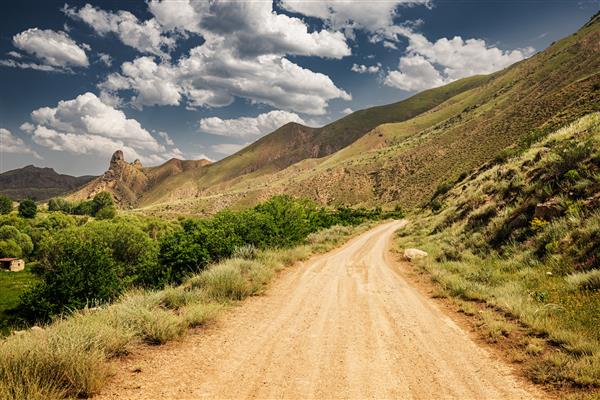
{"points": [[486, 247]]}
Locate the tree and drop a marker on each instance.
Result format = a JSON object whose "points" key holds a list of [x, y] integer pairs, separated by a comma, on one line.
{"points": [[59, 204], [5, 204], [102, 200], [27, 208], [106, 213], [14, 243]]}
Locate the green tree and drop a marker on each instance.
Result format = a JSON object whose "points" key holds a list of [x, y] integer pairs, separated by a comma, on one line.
{"points": [[27, 208], [84, 208], [102, 200], [17, 244], [91, 263], [106, 213], [5, 204], [60, 204], [10, 248]]}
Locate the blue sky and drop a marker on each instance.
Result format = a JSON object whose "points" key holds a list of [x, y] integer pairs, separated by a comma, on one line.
{"points": [[193, 79]]}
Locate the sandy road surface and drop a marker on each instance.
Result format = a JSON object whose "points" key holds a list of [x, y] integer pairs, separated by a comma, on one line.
{"points": [[343, 325]]}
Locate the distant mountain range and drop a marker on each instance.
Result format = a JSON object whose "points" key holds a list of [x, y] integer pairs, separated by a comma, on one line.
{"points": [[394, 154], [38, 183]]}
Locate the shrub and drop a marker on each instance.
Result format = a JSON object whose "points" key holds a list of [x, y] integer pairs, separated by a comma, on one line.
{"points": [[442, 189], [222, 282], [246, 252], [198, 314], [27, 209], [435, 205], [84, 208], [5, 204], [589, 280]]}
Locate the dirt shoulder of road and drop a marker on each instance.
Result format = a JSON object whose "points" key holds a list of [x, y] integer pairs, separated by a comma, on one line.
{"points": [[510, 348]]}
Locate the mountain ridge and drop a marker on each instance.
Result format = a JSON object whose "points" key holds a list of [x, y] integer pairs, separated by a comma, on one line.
{"points": [[39, 183]]}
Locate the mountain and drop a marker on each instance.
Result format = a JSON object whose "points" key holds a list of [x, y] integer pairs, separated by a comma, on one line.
{"points": [[38, 183], [394, 154], [128, 181], [405, 154]]}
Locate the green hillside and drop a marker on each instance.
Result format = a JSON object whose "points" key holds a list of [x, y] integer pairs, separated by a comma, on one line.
{"points": [[522, 237], [294, 142], [481, 119]]}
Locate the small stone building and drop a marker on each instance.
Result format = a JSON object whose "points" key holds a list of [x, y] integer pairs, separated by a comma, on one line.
{"points": [[12, 264]]}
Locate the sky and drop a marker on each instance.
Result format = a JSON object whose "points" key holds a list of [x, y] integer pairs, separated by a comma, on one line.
{"points": [[198, 79]]}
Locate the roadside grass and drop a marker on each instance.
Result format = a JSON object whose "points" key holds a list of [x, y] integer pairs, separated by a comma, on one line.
{"points": [[517, 272], [71, 357]]}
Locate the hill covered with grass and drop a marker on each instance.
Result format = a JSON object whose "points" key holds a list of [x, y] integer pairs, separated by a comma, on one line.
{"points": [[403, 160], [522, 237]]}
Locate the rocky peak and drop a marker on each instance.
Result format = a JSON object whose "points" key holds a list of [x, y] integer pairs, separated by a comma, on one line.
{"points": [[116, 159]]}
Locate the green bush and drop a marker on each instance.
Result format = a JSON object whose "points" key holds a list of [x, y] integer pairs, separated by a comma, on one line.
{"points": [[5, 204], [91, 263], [27, 209], [14, 243]]}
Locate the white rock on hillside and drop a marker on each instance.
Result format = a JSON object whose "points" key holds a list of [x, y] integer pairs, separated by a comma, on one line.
{"points": [[413, 254]]}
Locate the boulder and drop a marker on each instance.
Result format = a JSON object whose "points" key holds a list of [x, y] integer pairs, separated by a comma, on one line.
{"points": [[548, 210], [413, 254]]}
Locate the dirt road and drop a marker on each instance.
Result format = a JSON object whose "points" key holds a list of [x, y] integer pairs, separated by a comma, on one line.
{"points": [[343, 325]]}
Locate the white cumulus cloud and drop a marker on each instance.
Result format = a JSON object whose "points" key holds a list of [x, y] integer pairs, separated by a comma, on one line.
{"points": [[430, 64], [52, 49], [9, 143], [376, 17], [146, 36], [244, 55], [211, 76], [86, 125], [104, 58], [246, 127], [252, 28]]}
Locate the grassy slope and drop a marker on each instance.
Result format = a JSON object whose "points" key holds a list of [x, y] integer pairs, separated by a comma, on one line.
{"points": [[404, 162], [294, 142], [487, 245]]}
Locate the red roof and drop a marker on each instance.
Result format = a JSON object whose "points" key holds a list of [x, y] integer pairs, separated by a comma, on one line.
{"points": [[8, 259]]}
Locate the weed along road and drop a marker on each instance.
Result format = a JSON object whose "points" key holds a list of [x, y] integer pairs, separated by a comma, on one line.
{"points": [[341, 325]]}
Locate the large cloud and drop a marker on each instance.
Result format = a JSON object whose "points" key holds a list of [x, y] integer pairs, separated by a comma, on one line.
{"points": [[86, 125], [252, 28], [243, 55], [145, 37], [12, 144], [431, 64], [246, 127], [376, 17], [55, 50], [211, 76]]}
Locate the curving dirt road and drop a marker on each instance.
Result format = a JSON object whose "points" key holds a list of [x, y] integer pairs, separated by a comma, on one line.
{"points": [[343, 325]]}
